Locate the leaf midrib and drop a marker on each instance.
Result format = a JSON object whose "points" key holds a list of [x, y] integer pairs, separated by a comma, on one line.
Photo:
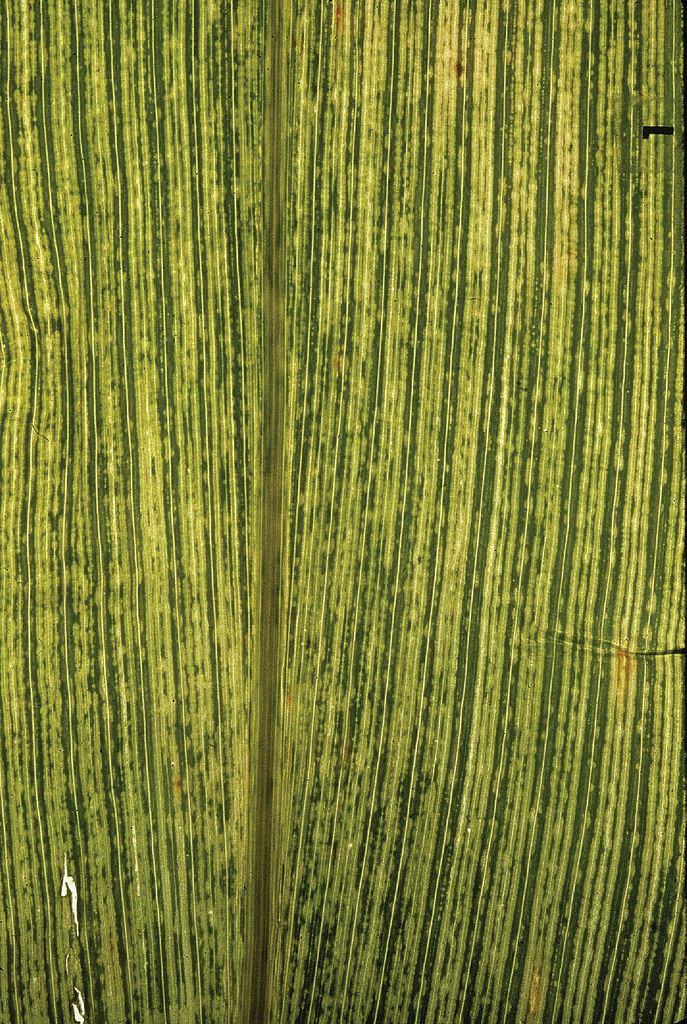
{"points": [[262, 761]]}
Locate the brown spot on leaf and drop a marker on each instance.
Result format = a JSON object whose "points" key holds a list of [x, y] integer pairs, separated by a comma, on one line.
{"points": [[534, 1001], [623, 670]]}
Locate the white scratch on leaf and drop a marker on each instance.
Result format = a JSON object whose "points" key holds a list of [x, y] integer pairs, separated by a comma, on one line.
{"points": [[69, 887], [78, 1008]]}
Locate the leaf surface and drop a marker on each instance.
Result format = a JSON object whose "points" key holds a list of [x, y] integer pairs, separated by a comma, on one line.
{"points": [[342, 494]]}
